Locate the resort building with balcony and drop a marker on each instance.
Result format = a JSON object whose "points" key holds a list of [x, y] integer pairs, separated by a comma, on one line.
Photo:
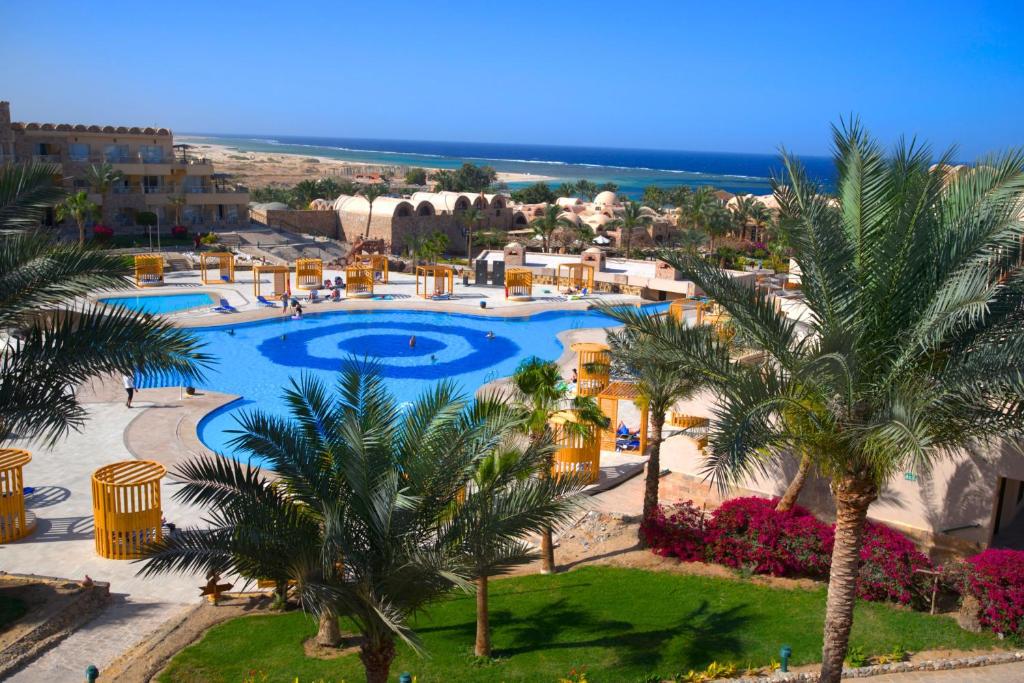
{"points": [[157, 175]]}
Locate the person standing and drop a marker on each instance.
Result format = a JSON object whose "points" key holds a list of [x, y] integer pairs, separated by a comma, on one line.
{"points": [[129, 387]]}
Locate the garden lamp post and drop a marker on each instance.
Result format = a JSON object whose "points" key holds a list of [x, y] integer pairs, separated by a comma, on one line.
{"points": [[784, 654]]}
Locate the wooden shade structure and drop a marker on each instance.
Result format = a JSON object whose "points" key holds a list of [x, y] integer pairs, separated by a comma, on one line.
{"points": [[578, 451], [693, 426], [358, 282], [608, 400], [519, 284], [593, 368], [309, 273], [576, 275], [14, 523], [221, 261], [378, 263], [678, 309], [443, 281], [126, 508], [149, 270], [280, 276]]}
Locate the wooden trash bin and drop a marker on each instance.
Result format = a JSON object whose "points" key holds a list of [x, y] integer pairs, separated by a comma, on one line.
{"points": [[14, 523], [126, 508]]}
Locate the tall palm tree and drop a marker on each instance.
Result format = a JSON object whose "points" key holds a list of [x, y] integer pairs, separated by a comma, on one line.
{"points": [[911, 349], [506, 500], [469, 219], [101, 178], [306, 191], [661, 381], [177, 201], [78, 208], [545, 225], [538, 392], [54, 343], [369, 490], [632, 218], [370, 193]]}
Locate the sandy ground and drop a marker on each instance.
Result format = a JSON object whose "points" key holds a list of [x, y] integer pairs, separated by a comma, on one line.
{"points": [[261, 169]]}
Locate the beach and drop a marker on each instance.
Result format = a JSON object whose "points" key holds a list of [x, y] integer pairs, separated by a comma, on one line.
{"points": [[284, 169]]}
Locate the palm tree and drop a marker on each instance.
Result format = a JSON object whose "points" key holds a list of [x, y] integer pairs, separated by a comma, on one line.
{"points": [[369, 491], [177, 202], [661, 381], [55, 343], [546, 224], [78, 208], [102, 177], [505, 500], [538, 393], [632, 217], [370, 193], [911, 348], [470, 218], [306, 191]]}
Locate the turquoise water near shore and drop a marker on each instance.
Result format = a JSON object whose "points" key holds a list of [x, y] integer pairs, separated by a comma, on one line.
{"points": [[630, 169]]}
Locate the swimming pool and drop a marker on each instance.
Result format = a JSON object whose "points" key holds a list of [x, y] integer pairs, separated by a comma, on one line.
{"points": [[162, 303], [256, 360]]}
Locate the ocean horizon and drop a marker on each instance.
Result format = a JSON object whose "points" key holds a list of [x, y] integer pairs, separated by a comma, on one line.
{"points": [[631, 169]]}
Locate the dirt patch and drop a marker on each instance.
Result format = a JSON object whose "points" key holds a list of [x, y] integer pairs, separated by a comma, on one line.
{"points": [[349, 646]]}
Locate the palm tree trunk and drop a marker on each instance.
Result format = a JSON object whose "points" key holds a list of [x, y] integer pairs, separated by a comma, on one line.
{"points": [[369, 217], [853, 497], [81, 233], [653, 470], [377, 660], [328, 634], [788, 499], [483, 619]]}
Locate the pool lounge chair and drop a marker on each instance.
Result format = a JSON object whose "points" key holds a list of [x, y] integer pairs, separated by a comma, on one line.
{"points": [[628, 442], [264, 302], [225, 307]]}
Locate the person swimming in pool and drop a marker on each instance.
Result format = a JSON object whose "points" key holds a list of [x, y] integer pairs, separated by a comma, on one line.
{"points": [[490, 334], [412, 342]]}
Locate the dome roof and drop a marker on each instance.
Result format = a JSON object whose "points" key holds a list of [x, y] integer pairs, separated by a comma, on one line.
{"points": [[570, 216], [605, 198]]}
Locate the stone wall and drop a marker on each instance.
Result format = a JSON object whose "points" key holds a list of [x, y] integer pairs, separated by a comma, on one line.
{"points": [[324, 223]]}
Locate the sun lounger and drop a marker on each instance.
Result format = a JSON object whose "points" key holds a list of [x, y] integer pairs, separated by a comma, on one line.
{"points": [[264, 302], [225, 307]]}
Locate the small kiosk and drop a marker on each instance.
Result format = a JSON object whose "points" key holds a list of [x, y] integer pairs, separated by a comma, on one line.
{"points": [[578, 451], [358, 282], [435, 282], [149, 270], [519, 284], [126, 508], [223, 262], [608, 400], [593, 368], [309, 273], [280, 278], [576, 276], [14, 522]]}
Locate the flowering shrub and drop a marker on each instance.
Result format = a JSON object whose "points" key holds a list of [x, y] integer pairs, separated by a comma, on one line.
{"points": [[889, 561], [102, 233], [677, 531], [749, 532], [179, 232], [996, 578]]}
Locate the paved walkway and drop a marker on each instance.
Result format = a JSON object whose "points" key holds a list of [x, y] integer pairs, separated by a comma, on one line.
{"points": [[997, 673]]}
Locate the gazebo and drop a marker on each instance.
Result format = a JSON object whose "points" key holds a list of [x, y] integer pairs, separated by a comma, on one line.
{"points": [[378, 263], [577, 275], [358, 282], [126, 508], [578, 451], [444, 281], [221, 261], [608, 401], [309, 273], [280, 276], [14, 523], [519, 284], [593, 369], [678, 308], [149, 270]]}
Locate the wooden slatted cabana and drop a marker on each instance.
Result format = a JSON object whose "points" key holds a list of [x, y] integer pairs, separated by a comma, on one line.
{"points": [[126, 508], [358, 282], [608, 400], [443, 281], [378, 263], [680, 307], [280, 278], [578, 449], [14, 522], [149, 270], [593, 367], [577, 275], [309, 273], [223, 262], [519, 284]]}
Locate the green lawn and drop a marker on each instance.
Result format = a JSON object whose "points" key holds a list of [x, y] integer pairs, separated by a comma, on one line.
{"points": [[619, 624], [11, 609]]}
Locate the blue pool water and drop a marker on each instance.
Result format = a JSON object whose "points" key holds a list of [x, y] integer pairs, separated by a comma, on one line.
{"points": [[162, 303], [256, 360]]}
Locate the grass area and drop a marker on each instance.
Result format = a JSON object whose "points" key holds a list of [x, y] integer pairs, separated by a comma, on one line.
{"points": [[11, 609], [618, 624]]}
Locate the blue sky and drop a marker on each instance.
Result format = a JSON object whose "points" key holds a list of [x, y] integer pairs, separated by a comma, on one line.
{"points": [[740, 77]]}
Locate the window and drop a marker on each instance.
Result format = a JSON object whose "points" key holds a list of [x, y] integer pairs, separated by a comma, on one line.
{"points": [[151, 154], [115, 153], [78, 151]]}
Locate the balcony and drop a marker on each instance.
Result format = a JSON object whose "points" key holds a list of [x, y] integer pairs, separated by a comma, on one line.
{"points": [[198, 196], [46, 158]]}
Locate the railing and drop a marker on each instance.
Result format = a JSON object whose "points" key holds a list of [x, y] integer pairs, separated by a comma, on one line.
{"points": [[46, 158], [159, 189]]}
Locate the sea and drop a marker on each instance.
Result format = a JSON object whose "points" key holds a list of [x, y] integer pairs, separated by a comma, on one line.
{"points": [[631, 169]]}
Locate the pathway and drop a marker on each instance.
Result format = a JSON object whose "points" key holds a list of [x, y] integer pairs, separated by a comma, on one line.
{"points": [[997, 673]]}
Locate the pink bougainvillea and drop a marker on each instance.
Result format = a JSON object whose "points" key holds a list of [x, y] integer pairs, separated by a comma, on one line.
{"points": [[102, 232], [996, 578], [889, 564], [676, 530]]}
